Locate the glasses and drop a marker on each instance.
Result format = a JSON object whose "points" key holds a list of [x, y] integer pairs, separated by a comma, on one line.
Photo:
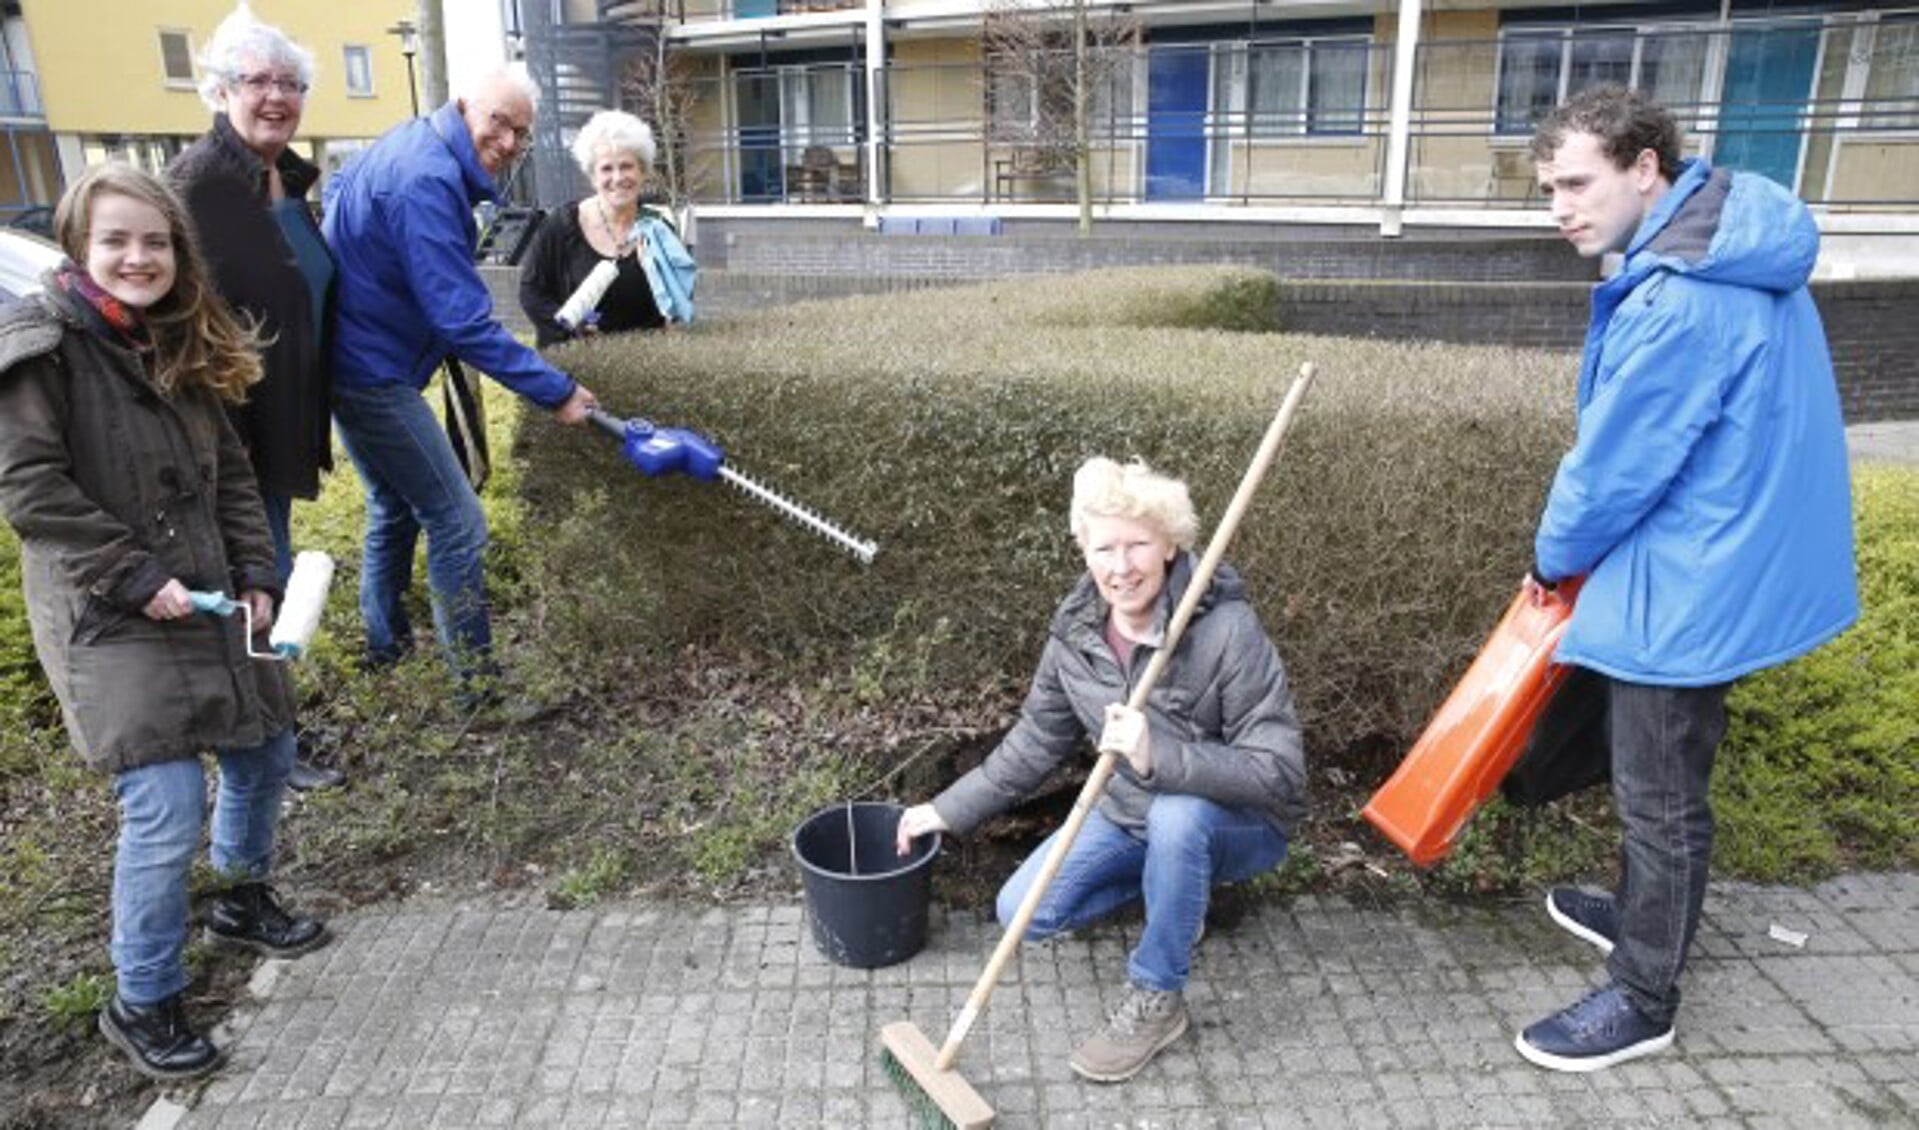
{"points": [[521, 134], [258, 85]]}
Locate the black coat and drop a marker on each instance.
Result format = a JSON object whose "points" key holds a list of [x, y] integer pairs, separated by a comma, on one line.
{"points": [[285, 419], [558, 260]]}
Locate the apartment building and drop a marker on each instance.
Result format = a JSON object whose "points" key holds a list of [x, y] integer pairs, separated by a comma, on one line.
{"points": [[86, 80], [1341, 111]]}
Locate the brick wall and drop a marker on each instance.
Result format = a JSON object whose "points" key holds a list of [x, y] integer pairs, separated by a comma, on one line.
{"points": [[864, 255]]}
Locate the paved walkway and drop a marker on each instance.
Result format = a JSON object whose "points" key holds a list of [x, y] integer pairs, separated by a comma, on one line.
{"points": [[1313, 1013], [1893, 441]]}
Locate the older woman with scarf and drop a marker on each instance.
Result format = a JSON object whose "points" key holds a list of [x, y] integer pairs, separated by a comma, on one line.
{"points": [[653, 283], [245, 189]]}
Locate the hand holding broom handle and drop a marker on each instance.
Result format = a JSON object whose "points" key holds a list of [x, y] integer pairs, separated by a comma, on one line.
{"points": [[1096, 782]]}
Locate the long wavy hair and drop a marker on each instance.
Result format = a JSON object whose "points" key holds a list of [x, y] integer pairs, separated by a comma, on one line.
{"points": [[197, 341]]}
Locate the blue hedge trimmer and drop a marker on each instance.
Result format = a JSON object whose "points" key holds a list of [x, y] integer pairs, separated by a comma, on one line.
{"points": [[663, 451]]}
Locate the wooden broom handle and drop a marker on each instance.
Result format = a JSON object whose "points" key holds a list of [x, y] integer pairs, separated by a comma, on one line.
{"points": [[1089, 794]]}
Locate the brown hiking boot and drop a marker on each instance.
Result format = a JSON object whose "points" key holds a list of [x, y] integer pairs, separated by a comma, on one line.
{"points": [[1145, 1022]]}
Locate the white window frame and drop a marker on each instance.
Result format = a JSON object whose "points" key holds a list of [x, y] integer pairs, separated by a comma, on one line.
{"points": [[1232, 125], [1711, 71], [167, 78], [1859, 62], [347, 51]]}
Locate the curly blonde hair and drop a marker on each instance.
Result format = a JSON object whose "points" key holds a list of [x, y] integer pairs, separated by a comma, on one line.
{"points": [[197, 342], [1103, 488]]}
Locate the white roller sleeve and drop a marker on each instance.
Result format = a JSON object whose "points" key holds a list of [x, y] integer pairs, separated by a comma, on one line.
{"points": [[586, 299], [306, 599]]}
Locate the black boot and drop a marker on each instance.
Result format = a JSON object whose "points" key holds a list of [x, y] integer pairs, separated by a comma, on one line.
{"points": [[249, 917], [158, 1039]]}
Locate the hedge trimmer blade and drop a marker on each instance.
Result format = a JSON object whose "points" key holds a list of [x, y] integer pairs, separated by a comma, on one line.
{"points": [[660, 451], [793, 511]]}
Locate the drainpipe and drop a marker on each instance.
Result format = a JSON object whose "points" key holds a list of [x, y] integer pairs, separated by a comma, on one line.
{"points": [[875, 90], [1399, 139]]}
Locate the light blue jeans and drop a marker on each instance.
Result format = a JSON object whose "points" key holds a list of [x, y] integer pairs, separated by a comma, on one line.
{"points": [[414, 483], [1190, 845], [162, 809]]}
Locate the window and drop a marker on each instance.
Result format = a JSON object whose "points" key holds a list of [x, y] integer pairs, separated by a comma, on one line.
{"points": [[1306, 86], [176, 58], [359, 72], [1892, 85], [1540, 68], [1030, 96]]}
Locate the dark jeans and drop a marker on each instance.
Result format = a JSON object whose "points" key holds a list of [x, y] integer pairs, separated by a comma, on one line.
{"points": [[1663, 741], [413, 485]]}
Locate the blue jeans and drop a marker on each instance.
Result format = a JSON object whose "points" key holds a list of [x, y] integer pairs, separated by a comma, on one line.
{"points": [[413, 483], [1663, 741], [1190, 845], [162, 808]]}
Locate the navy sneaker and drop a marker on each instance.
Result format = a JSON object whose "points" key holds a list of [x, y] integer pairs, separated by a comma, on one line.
{"points": [[1597, 1031], [1590, 918]]}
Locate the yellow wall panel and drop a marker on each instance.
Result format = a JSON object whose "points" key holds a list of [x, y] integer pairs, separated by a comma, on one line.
{"points": [[100, 67]]}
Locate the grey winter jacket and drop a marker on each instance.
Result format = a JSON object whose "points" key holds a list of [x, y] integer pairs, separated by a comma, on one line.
{"points": [[113, 489], [1221, 716]]}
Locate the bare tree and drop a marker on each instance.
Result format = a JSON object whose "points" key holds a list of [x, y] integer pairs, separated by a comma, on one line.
{"points": [[1050, 64], [661, 86]]}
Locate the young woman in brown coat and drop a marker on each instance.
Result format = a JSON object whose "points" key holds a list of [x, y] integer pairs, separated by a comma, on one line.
{"points": [[128, 487]]}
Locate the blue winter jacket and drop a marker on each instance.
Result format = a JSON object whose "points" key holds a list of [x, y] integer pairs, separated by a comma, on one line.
{"points": [[399, 220], [1707, 493]]}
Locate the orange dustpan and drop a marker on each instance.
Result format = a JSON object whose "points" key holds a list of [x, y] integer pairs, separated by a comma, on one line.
{"points": [[1478, 733]]}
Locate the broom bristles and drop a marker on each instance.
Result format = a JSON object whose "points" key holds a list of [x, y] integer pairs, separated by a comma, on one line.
{"points": [[939, 1100]]}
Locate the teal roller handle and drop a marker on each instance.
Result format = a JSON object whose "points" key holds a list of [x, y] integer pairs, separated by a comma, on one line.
{"points": [[218, 603]]}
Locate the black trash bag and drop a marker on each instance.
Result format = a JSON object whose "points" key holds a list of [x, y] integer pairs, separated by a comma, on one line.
{"points": [[1570, 748]]}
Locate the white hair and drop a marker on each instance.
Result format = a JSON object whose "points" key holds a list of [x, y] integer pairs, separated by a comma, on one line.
{"points": [[616, 130], [241, 37], [512, 75]]}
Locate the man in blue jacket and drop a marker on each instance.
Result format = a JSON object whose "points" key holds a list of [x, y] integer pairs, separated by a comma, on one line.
{"points": [[1705, 500], [399, 220]]}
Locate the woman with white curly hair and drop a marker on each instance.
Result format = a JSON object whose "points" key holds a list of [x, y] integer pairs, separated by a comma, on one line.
{"points": [[651, 286], [1212, 775]]}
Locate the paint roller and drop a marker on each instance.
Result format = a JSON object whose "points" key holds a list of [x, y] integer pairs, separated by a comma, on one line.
{"points": [[582, 307], [300, 612]]}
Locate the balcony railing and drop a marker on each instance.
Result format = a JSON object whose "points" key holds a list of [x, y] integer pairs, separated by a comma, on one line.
{"points": [[20, 95], [1277, 124]]}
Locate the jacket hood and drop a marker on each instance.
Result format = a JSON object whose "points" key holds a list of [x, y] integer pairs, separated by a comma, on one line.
{"points": [[1084, 608], [1738, 228]]}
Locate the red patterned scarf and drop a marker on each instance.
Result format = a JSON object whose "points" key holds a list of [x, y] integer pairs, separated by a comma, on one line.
{"points": [[115, 313]]}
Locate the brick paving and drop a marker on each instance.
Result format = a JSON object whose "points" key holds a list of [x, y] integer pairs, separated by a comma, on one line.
{"points": [[1310, 1012]]}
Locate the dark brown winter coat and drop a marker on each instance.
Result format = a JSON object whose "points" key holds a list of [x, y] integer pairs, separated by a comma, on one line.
{"points": [[113, 489], [284, 423]]}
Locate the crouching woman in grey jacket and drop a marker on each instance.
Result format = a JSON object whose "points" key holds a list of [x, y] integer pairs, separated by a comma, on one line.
{"points": [[128, 487], [1212, 776]]}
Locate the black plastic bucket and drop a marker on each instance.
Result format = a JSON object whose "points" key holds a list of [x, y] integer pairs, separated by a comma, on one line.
{"points": [[866, 903]]}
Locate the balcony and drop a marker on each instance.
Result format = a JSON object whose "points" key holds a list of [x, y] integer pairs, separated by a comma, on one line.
{"points": [[20, 96]]}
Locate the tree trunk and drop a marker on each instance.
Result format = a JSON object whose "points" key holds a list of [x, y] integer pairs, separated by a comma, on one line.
{"points": [[433, 87]]}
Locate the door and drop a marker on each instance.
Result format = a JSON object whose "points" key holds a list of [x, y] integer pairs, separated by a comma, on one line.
{"points": [[1177, 79], [758, 104], [1769, 75]]}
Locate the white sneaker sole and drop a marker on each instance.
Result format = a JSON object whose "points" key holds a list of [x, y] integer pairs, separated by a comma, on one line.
{"points": [[1121, 1076], [1589, 936], [1552, 1062]]}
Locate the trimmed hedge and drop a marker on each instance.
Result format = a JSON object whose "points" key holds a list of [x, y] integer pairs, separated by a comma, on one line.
{"points": [[946, 425]]}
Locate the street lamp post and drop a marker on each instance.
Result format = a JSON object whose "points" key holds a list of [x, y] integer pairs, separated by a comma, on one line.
{"points": [[409, 46]]}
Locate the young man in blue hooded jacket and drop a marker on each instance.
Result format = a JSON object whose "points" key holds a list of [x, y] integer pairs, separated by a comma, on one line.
{"points": [[1705, 500]]}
